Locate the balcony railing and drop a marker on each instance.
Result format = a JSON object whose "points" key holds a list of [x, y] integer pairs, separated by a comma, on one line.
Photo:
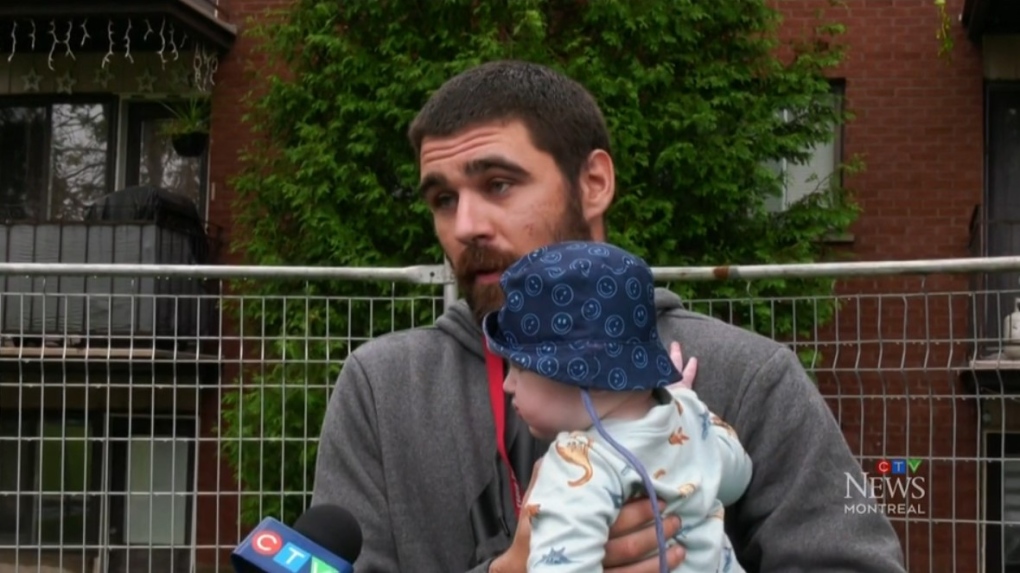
{"points": [[110, 311]]}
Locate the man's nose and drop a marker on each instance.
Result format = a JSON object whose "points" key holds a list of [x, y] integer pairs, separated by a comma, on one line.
{"points": [[509, 384], [473, 221]]}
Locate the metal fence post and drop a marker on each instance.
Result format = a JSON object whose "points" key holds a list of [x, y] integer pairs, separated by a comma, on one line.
{"points": [[450, 294]]}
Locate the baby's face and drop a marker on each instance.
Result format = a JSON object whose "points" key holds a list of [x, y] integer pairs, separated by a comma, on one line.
{"points": [[547, 406]]}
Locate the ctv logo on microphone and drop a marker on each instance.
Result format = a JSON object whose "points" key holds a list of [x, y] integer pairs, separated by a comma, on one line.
{"points": [[896, 489], [270, 544]]}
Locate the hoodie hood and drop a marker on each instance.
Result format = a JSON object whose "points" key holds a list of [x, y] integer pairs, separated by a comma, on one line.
{"points": [[458, 321]]}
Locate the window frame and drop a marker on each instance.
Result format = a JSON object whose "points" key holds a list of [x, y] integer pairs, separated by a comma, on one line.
{"points": [[122, 429], [837, 88], [104, 533], [990, 222], [31, 430], [999, 446], [112, 103], [137, 112]]}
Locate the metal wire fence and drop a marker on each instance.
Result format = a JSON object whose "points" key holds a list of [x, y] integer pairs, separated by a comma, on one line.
{"points": [[126, 413]]}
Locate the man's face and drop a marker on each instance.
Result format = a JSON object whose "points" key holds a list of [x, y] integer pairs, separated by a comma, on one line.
{"points": [[494, 198]]}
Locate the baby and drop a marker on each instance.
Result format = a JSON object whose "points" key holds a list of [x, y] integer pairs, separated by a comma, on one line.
{"points": [[588, 371]]}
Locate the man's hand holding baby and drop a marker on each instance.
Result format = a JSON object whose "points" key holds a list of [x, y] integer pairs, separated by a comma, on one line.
{"points": [[631, 539]]}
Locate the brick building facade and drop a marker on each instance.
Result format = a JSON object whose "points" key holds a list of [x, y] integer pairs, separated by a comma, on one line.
{"points": [[903, 371], [920, 126]]}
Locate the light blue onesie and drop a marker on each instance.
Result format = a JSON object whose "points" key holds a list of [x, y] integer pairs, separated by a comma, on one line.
{"points": [[696, 464]]}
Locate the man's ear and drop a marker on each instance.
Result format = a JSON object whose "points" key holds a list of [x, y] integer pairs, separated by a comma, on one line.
{"points": [[597, 186]]}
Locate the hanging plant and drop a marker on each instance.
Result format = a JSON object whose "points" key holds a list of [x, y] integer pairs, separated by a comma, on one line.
{"points": [[189, 128]]}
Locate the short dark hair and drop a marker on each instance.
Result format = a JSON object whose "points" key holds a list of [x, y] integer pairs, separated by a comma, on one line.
{"points": [[560, 114]]}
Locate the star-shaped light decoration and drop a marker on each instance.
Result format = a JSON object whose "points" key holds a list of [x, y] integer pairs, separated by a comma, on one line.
{"points": [[146, 81], [65, 83], [181, 76], [102, 77], [31, 79]]}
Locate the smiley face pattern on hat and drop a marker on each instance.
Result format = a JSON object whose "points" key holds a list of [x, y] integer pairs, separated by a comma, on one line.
{"points": [[582, 313]]}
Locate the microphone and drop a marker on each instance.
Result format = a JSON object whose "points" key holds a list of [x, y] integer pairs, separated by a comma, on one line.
{"points": [[325, 539]]}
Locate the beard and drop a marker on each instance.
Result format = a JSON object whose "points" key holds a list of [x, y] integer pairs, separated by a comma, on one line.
{"points": [[477, 260]]}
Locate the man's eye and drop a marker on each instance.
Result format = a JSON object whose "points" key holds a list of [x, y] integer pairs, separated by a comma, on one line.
{"points": [[443, 201], [499, 186]]}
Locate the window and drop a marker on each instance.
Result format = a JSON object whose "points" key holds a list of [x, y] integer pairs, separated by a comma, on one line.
{"points": [[152, 160], [46, 467], [60, 155], [1002, 503], [61, 473], [57, 157], [150, 501], [816, 174], [998, 230]]}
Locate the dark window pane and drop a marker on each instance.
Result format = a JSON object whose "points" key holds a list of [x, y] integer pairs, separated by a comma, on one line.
{"points": [[23, 137], [43, 483], [1002, 227], [63, 479], [55, 159], [16, 479]]}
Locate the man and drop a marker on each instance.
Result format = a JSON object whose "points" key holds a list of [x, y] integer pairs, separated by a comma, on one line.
{"points": [[514, 156]]}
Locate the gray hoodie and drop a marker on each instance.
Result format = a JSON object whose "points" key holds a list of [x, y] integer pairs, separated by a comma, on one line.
{"points": [[408, 446]]}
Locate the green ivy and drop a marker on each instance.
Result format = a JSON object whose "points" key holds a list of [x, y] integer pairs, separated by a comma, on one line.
{"points": [[945, 32], [692, 90]]}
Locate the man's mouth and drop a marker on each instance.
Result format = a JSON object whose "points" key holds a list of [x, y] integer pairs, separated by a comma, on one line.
{"points": [[487, 277]]}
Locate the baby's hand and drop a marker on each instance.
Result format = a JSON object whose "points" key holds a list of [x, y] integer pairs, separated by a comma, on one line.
{"points": [[688, 371]]}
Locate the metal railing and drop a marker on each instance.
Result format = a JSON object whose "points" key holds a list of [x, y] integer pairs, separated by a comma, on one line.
{"points": [[125, 457], [118, 309]]}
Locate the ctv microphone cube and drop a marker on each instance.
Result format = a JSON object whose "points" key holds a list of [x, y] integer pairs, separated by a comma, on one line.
{"points": [[272, 547]]}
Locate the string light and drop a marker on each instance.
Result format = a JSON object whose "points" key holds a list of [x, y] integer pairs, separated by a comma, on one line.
{"points": [[162, 43], [53, 45], [173, 42], [204, 62], [14, 41], [109, 38], [85, 32], [127, 43], [67, 40]]}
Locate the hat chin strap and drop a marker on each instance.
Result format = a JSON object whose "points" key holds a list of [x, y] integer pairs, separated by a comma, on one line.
{"points": [[639, 468]]}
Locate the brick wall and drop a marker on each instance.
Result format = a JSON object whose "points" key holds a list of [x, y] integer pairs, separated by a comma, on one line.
{"points": [[229, 134], [217, 518], [919, 127]]}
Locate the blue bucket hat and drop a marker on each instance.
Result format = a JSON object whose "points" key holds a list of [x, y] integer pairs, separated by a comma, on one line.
{"points": [[582, 313]]}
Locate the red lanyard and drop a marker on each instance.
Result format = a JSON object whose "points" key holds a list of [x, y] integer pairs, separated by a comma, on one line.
{"points": [[494, 365]]}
